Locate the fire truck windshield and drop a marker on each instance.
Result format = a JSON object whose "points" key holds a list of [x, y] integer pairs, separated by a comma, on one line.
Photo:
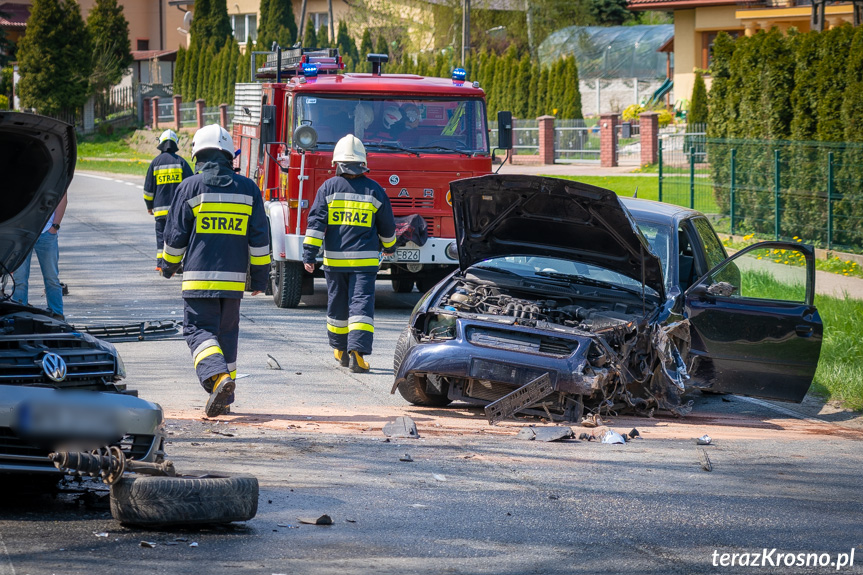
{"points": [[429, 125]]}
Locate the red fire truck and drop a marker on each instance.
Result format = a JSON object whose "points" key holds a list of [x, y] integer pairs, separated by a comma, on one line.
{"points": [[420, 133]]}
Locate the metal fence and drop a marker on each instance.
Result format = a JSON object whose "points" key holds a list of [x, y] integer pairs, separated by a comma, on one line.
{"points": [[188, 115], [628, 144], [166, 112], [113, 103], [576, 141], [801, 191]]}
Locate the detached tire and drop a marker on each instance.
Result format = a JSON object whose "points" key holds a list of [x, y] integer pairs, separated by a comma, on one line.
{"points": [[287, 283], [402, 285], [411, 388], [187, 500]]}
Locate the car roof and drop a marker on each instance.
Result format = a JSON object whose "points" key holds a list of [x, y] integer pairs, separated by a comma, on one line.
{"points": [[660, 212]]}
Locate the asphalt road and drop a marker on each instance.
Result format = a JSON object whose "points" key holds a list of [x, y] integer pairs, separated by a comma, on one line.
{"points": [[474, 500]]}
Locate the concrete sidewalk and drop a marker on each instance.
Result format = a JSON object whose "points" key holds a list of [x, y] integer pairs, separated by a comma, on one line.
{"points": [[568, 170]]}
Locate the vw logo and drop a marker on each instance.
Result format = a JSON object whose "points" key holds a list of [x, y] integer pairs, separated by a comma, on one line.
{"points": [[394, 180], [54, 367]]}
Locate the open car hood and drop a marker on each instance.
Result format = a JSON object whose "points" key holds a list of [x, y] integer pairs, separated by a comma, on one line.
{"points": [[502, 215], [37, 161]]}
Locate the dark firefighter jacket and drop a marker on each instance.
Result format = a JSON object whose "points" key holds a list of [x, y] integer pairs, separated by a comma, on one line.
{"points": [[165, 173], [217, 227], [352, 219]]}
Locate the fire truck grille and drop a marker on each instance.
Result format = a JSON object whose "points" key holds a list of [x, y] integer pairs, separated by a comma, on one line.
{"points": [[412, 203]]}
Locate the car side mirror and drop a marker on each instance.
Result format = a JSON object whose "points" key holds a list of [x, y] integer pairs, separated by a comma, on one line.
{"points": [[504, 130], [721, 289]]}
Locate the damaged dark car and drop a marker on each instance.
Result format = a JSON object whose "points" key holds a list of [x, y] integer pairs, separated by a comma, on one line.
{"points": [[569, 300], [59, 388]]}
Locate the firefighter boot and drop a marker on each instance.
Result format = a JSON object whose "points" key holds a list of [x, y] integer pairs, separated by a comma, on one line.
{"points": [[358, 364], [221, 396], [341, 357]]}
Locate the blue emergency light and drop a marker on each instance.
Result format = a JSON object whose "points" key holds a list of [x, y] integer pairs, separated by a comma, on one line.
{"points": [[310, 70], [459, 75]]}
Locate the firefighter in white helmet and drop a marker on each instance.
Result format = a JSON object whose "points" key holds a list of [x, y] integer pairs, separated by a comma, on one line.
{"points": [[217, 228], [352, 219], [165, 173]]}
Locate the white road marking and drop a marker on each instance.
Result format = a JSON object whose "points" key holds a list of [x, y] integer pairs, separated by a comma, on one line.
{"points": [[6, 567], [129, 183], [782, 410], [95, 177]]}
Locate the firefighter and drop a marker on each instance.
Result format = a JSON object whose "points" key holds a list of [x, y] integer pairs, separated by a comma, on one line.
{"points": [[352, 219], [165, 173], [217, 228]]}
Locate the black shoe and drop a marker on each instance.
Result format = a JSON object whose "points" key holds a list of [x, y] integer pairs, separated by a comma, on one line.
{"points": [[222, 395], [358, 364], [341, 357]]}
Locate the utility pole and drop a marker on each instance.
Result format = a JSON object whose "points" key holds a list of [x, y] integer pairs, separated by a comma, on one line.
{"points": [[332, 22], [465, 30]]}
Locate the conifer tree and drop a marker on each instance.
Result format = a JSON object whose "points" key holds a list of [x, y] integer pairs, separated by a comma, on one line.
{"points": [[180, 71], [366, 48], [698, 103], [522, 85], [109, 32], [830, 80], [852, 102], [263, 23], [381, 45], [55, 58], [718, 104], [541, 91], [310, 37], [804, 95]]}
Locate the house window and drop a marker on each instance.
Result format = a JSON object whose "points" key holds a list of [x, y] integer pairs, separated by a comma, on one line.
{"points": [[142, 44], [245, 27], [707, 40], [320, 19]]}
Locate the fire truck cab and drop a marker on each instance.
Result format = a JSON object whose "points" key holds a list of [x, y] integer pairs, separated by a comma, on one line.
{"points": [[420, 134]]}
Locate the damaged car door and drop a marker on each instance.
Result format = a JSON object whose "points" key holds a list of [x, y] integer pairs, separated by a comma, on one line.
{"points": [[755, 328]]}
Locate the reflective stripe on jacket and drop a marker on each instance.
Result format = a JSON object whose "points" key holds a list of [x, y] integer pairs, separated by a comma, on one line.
{"points": [[351, 218], [218, 232], [165, 173]]}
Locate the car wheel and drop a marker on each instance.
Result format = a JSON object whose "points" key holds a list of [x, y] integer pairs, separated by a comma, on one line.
{"points": [[412, 388], [203, 498], [402, 285], [287, 282]]}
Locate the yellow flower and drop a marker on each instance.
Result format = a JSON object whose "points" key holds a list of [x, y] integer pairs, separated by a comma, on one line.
{"points": [[847, 261], [759, 257], [794, 238], [799, 240]]}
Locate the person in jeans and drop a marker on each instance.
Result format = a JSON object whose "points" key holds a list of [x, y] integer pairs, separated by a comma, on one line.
{"points": [[48, 251]]}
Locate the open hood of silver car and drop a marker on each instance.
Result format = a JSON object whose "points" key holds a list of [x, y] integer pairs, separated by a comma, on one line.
{"points": [[502, 215], [37, 161]]}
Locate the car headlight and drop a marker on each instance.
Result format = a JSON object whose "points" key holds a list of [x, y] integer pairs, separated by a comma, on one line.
{"points": [[452, 251], [121, 367]]}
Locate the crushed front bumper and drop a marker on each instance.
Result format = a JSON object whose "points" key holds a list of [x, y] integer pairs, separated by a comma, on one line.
{"points": [[512, 355], [35, 421]]}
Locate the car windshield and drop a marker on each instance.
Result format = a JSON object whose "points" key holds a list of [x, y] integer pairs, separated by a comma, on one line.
{"points": [[439, 125], [559, 269]]}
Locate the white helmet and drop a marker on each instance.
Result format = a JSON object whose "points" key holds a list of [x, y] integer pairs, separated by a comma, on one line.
{"points": [[391, 115], [349, 150], [213, 137], [169, 135]]}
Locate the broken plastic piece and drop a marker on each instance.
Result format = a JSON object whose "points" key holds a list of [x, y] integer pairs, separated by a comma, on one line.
{"points": [[148, 544], [584, 436], [633, 434], [322, 520], [401, 427], [706, 465], [272, 363], [704, 440], [551, 433], [613, 437], [406, 457]]}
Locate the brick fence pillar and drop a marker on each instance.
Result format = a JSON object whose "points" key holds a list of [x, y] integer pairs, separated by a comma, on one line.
{"points": [[223, 115], [546, 139], [649, 122], [155, 112], [145, 111], [178, 123], [199, 112], [608, 140]]}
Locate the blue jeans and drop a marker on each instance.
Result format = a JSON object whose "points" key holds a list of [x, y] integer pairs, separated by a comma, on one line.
{"points": [[48, 251]]}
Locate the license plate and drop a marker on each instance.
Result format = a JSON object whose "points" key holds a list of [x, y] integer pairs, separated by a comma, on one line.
{"points": [[404, 256]]}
